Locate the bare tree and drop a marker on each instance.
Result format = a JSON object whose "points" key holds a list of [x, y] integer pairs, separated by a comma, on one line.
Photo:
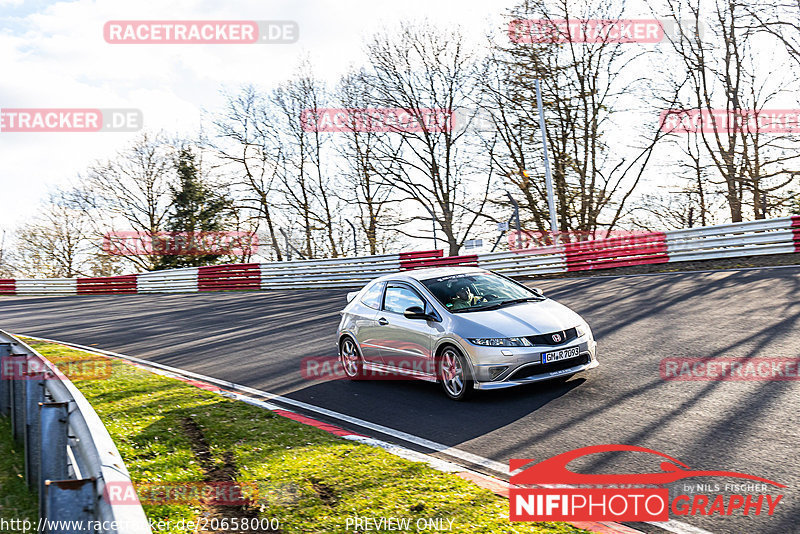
{"points": [[726, 72], [6, 268], [509, 123], [305, 184], [133, 189], [253, 149], [363, 168], [583, 84], [421, 70], [56, 243], [780, 19]]}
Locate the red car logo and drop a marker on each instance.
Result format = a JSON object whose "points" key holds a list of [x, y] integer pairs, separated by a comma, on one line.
{"points": [[554, 470]]}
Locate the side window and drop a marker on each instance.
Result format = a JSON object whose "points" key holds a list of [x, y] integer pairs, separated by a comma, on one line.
{"points": [[372, 298], [399, 299]]}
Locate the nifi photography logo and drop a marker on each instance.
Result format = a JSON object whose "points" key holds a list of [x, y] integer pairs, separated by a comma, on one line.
{"points": [[563, 495]]}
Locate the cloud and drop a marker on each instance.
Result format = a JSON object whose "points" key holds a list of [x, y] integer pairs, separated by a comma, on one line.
{"points": [[54, 55]]}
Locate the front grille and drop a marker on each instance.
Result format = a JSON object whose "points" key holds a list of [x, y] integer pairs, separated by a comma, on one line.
{"points": [[539, 369], [547, 339]]}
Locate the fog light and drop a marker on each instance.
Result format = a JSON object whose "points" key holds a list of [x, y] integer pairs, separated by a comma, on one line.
{"points": [[494, 372]]}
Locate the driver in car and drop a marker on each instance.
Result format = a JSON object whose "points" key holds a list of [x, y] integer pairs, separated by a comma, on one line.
{"points": [[464, 298]]}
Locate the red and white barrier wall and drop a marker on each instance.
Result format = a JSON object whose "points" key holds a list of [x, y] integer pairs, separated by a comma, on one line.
{"points": [[737, 240], [773, 236]]}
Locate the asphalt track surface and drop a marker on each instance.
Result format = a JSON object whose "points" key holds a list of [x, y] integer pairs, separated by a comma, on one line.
{"points": [[259, 339]]}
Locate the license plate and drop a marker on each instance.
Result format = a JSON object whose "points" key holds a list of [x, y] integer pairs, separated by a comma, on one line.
{"points": [[550, 357]]}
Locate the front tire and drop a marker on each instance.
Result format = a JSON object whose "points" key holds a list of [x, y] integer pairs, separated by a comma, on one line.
{"points": [[351, 360], [454, 375]]}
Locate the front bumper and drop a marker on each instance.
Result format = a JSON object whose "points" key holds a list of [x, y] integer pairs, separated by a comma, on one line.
{"points": [[523, 367], [536, 378]]}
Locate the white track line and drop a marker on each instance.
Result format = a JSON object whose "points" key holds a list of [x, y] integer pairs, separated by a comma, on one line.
{"points": [[672, 525], [678, 527], [474, 459]]}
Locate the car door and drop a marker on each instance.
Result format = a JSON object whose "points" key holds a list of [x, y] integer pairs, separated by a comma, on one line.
{"points": [[369, 332], [405, 343]]}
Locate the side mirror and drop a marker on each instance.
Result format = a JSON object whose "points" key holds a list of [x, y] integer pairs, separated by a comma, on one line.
{"points": [[415, 312], [538, 291], [351, 295]]}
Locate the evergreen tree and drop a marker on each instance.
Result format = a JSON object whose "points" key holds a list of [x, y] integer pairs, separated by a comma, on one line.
{"points": [[196, 209]]}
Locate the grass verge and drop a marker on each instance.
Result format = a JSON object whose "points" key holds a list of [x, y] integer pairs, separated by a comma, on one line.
{"points": [[17, 503], [172, 434]]}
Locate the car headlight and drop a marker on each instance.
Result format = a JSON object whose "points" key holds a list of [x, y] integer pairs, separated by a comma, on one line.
{"points": [[583, 329], [501, 342]]}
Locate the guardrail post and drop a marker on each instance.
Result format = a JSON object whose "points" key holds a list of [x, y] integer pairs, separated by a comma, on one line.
{"points": [[16, 366], [52, 446], [5, 394], [68, 501], [52, 408], [34, 395]]}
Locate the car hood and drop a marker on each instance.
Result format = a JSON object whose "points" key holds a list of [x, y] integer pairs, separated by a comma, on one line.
{"points": [[524, 319]]}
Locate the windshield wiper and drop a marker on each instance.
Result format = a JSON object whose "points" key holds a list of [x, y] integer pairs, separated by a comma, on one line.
{"points": [[476, 308], [497, 304], [507, 303], [523, 299]]}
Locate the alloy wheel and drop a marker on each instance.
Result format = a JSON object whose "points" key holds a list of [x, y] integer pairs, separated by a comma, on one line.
{"points": [[350, 359], [453, 374]]}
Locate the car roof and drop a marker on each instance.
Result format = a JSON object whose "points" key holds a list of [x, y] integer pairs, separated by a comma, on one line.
{"points": [[431, 272]]}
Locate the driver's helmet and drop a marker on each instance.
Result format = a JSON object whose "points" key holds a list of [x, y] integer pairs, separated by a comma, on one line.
{"points": [[462, 289]]}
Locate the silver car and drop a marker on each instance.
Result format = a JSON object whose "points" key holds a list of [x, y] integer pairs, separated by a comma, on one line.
{"points": [[464, 327]]}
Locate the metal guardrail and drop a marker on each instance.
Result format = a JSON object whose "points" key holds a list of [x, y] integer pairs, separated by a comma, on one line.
{"points": [[69, 456], [327, 273], [752, 238], [736, 240], [49, 286], [549, 260]]}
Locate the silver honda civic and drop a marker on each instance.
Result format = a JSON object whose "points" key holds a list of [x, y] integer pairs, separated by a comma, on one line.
{"points": [[464, 327]]}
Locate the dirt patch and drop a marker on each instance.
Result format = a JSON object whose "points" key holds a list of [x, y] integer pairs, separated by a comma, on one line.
{"points": [[214, 513], [324, 492]]}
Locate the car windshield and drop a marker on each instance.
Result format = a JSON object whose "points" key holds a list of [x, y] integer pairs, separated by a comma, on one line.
{"points": [[477, 291]]}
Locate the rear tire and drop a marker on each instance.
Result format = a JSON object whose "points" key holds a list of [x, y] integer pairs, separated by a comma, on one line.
{"points": [[454, 375], [351, 360]]}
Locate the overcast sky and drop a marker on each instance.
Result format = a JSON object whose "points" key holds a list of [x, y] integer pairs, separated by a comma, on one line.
{"points": [[53, 55]]}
